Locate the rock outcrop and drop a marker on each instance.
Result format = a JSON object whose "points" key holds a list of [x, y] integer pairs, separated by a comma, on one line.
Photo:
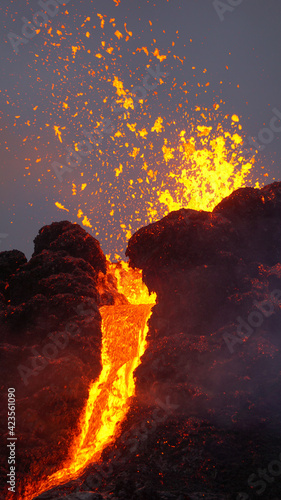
{"points": [[215, 331]]}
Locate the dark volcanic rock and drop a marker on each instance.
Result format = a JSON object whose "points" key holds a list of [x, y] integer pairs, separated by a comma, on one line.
{"points": [[10, 261], [211, 273], [73, 239], [246, 226], [52, 273]]}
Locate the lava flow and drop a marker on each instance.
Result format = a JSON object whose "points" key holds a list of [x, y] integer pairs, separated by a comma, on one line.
{"points": [[124, 330]]}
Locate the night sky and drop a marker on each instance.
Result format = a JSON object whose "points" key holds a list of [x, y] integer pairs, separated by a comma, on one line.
{"points": [[63, 81]]}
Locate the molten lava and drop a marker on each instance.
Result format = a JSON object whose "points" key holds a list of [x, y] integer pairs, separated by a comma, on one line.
{"points": [[206, 164], [124, 330]]}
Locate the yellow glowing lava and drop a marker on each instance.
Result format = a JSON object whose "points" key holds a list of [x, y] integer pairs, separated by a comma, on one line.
{"points": [[206, 165]]}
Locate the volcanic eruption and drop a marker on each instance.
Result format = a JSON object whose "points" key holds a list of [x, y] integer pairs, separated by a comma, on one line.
{"points": [[140, 334], [154, 379]]}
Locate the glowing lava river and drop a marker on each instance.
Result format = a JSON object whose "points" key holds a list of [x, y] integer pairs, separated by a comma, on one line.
{"points": [[124, 330]]}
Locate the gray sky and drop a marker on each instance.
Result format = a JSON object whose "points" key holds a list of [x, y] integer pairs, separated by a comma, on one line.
{"points": [[44, 74]]}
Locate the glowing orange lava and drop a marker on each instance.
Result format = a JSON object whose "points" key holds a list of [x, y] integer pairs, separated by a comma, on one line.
{"points": [[124, 330]]}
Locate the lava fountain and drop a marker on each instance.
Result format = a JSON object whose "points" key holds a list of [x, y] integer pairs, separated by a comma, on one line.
{"points": [[207, 166], [124, 330]]}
